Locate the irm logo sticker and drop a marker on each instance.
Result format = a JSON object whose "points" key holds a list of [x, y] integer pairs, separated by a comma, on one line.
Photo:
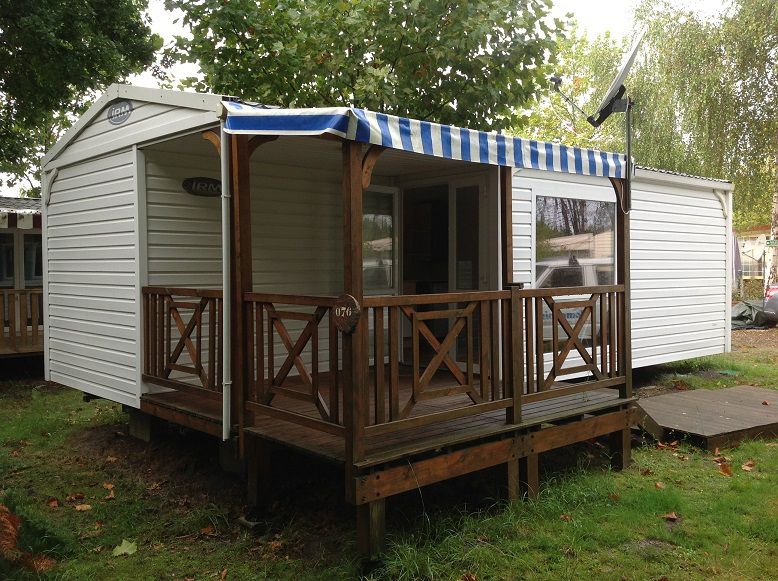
{"points": [[119, 112]]}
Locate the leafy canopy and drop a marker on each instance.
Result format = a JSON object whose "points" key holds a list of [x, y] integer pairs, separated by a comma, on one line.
{"points": [[53, 55], [470, 63], [705, 92]]}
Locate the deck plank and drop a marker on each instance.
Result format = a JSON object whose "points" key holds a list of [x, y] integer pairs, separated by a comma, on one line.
{"points": [[714, 416]]}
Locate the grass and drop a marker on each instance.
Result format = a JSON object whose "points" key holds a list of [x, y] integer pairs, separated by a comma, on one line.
{"points": [[181, 514]]}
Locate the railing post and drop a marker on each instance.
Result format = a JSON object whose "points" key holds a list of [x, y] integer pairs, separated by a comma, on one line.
{"points": [[354, 344], [517, 354]]}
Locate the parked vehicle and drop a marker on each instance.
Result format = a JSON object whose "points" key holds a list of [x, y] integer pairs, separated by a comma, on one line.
{"points": [[771, 302]]}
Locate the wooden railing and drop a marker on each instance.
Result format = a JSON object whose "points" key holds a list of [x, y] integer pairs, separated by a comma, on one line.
{"points": [[182, 338], [285, 336], [580, 324], [462, 358], [21, 315]]}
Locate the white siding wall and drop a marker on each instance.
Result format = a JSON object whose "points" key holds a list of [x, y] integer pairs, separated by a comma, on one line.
{"points": [[91, 278], [679, 273], [679, 261]]}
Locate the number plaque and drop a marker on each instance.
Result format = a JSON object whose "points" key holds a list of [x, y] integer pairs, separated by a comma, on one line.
{"points": [[346, 313]]}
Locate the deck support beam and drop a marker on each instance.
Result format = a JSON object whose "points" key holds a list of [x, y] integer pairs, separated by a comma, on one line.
{"points": [[621, 449], [259, 472], [371, 528], [529, 476]]}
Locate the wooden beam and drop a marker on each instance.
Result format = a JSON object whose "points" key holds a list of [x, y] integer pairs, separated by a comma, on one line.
{"points": [[214, 138], [368, 164], [623, 201], [529, 476], [506, 215], [354, 356], [241, 270], [371, 528]]}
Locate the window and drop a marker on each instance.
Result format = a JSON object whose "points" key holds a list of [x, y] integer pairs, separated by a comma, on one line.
{"points": [[752, 257], [33, 263], [7, 260], [378, 239], [575, 242]]}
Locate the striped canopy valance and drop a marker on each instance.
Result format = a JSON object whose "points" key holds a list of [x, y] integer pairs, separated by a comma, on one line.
{"points": [[423, 137]]}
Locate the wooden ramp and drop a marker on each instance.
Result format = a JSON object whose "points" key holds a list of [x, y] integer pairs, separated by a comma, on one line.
{"points": [[712, 418]]}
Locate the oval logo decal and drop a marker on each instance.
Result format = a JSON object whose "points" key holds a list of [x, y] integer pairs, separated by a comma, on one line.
{"points": [[208, 187], [119, 112]]}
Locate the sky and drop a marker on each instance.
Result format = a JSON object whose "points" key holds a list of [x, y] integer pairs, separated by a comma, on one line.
{"points": [[594, 18]]}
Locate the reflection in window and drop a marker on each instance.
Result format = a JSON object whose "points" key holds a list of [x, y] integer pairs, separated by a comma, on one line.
{"points": [[575, 242], [33, 263], [6, 260], [378, 242]]}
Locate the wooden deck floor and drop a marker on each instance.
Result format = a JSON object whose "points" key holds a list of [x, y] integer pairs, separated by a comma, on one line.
{"points": [[715, 418], [11, 348], [204, 414]]}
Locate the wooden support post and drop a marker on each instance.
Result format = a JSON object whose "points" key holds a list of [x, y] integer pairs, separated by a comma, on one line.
{"points": [[506, 219], [529, 476], [514, 480], [517, 355], [241, 271], [259, 473], [623, 202], [354, 344], [621, 449], [371, 528]]}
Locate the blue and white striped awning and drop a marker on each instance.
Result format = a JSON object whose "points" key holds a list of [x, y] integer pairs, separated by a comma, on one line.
{"points": [[423, 137]]}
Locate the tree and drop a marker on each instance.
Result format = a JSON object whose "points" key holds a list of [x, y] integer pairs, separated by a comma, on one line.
{"points": [[472, 63], [53, 55], [705, 92]]}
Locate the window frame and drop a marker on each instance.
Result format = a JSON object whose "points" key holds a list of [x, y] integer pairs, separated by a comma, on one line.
{"points": [[396, 266], [576, 191]]}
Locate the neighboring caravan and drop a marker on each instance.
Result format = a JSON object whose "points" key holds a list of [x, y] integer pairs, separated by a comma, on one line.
{"points": [[21, 277], [359, 286]]}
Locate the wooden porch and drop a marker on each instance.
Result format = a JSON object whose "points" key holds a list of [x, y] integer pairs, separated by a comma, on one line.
{"points": [[21, 332], [402, 391]]}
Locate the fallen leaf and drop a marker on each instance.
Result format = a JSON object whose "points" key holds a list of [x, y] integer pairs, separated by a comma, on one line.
{"points": [[725, 468], [111, 494], [566, 517], [110, 459], [41, 563], [748, 466], [716, 452], [108, 486], [208, 530], [52, 502], [660, 485], [772, 444], [468, 577], [223, 575], [9, 534], [646, 472], [15, 453], [615, 496], [83, 507], [126, 548], [765, 402], [75, 496], [154, 486], [670, 516], [98, 524]]}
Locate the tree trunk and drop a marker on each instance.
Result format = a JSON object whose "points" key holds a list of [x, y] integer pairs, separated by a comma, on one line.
{"points": [[772, 277]]}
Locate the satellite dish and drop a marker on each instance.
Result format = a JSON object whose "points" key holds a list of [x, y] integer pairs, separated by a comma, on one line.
{"points": [[616, 91]]}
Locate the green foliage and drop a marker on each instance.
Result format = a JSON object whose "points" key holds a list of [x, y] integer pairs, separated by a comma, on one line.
{"points": [[705, 97], [471, 63], [53, 55]]}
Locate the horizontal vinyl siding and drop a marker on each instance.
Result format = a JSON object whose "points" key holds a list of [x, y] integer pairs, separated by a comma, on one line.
{"points": [[679, 274], [521, 219], [91, 273]]}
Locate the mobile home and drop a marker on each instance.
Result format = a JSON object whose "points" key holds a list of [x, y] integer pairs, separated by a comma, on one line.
{"points": [[21, 277], [361, 287]]}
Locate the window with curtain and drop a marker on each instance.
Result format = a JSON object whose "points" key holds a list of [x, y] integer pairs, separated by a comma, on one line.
{"points": [[33, 260], [6, 260]]}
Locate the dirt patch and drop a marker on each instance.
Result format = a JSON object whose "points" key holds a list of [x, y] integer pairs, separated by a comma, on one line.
{"points": [[750, 340]]}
